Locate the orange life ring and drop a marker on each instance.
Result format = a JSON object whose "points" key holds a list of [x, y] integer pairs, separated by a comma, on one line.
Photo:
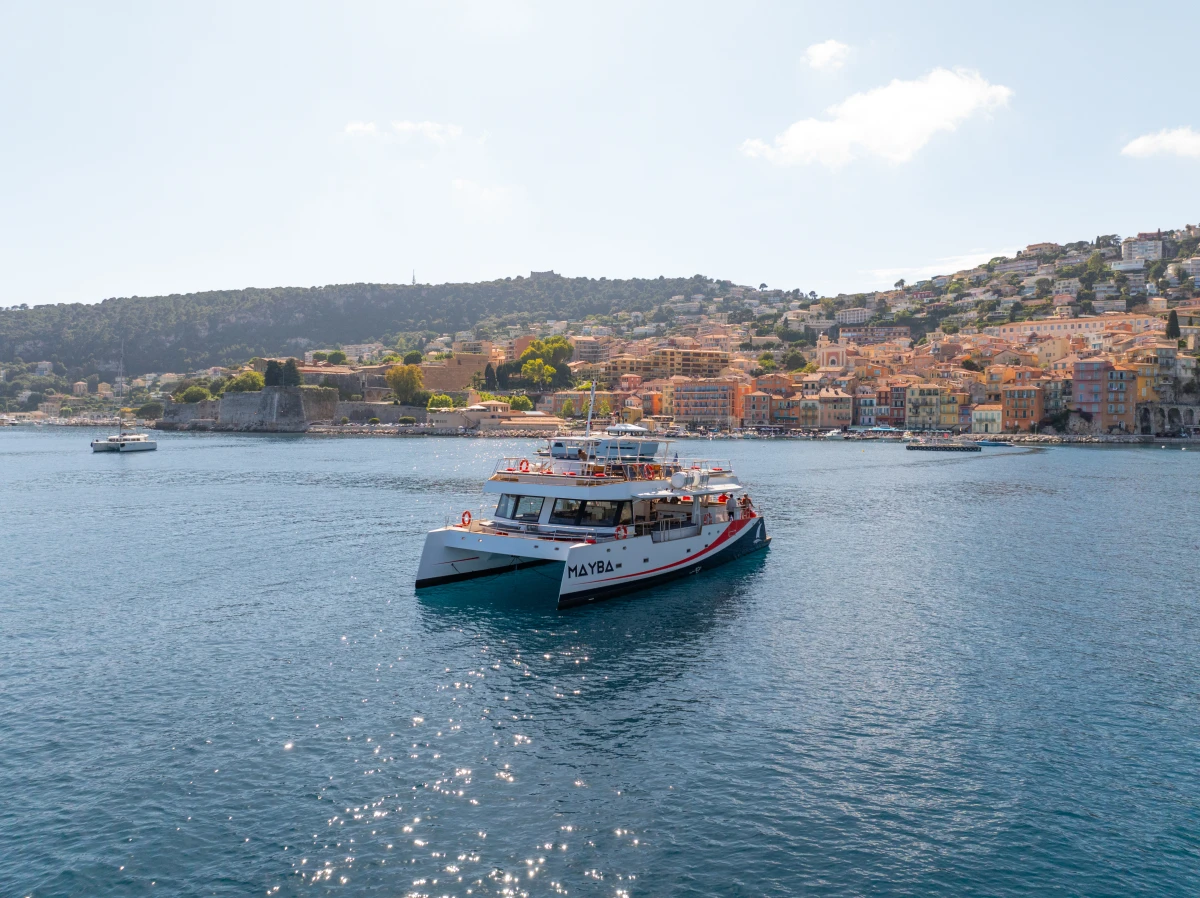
{"points": [[524, 466], [648, 470], [708, 517], [622, 532], [466, 519]]}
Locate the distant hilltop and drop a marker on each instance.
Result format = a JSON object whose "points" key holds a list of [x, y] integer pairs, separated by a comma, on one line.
{"points": [[198, 330], [227, 327]]}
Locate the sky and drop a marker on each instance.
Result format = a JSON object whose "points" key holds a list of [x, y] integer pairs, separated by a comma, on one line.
{"points": [[172, 148]]}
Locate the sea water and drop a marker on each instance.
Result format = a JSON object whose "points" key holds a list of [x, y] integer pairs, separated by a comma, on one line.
{"points": [[950, 675]]}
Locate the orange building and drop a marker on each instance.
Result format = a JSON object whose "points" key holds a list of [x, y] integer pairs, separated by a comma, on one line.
{"points": [[1023, 406], [711, 402]]}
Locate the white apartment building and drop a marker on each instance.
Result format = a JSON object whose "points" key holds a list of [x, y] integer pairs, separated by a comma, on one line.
{"points": [[1191, 267], [1150, 250], [1020, 266], [852, 316], [1067, 285]]}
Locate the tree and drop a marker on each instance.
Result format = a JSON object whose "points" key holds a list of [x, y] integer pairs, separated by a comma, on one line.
{"points": [[291, 374], [604, 410], [766, 361], [793, 361], [1042, 288], [274, 375], [1173, 325], [66, 411], [413, 357], [489, 377], [899, 285], [320, 356], [810, 368], [195, 393], [568, 408], [150, 411], [406, 381], [520, 404], [337, 357], [246, 382], [537, 372], [762, 286], [971, 365], [440, 400]]}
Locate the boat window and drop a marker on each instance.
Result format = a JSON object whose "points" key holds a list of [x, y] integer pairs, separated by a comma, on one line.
{"points": [[599, 514], [565, 511], [520, 508]]}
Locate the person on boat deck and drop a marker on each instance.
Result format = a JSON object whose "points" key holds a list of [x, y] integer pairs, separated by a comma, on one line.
{"points": [[731, 508]]}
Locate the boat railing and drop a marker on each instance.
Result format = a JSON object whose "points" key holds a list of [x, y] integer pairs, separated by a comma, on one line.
{"points": [[662, 531], [600, 470], [542, 531]]}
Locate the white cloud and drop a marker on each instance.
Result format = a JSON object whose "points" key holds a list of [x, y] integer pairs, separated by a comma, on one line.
{"points": [[359, 128], [434, 132], [891, 122], [1177, 142], [829, 55], [886, 277]]}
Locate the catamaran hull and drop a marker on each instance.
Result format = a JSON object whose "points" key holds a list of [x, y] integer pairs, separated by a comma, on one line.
{"points": [[591, 571], [592, 581], [101, 446]]}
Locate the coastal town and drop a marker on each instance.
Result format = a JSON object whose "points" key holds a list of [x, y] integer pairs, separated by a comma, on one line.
{"points": [[1095, 338]]}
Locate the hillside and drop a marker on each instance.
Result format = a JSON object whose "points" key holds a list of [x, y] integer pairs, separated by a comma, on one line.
{"points": [[185, 332]]}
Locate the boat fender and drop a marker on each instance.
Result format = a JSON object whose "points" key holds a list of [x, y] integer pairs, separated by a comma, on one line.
{"points": [[524, 466], [466, 519], [622, 532]]}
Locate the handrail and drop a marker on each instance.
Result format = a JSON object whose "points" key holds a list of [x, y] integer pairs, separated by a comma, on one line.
{"points": [[600, 469]]}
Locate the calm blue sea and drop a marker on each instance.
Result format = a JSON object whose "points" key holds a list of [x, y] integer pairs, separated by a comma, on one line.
{"points": [[951, 675]]}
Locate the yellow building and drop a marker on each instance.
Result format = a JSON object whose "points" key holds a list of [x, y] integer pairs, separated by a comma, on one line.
{"points": [[923, 407]]}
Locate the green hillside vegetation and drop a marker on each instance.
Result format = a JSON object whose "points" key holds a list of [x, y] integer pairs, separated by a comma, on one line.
{"points": [[225, 327]]}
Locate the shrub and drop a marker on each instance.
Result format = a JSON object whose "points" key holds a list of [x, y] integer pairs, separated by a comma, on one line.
{"points": [[373, 421], [413, 357], [408, 419], [337, 357], [195, 393], [151, 410], [440, 400], [521, 404], [345, 420], [246, 382]]}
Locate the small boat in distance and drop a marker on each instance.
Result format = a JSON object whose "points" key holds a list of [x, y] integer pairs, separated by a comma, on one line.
{"points": [[941, 445]]}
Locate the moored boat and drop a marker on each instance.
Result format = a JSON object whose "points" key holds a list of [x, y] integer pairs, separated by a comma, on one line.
{"points": [[125, 442], [621, 515], [943, 446]]}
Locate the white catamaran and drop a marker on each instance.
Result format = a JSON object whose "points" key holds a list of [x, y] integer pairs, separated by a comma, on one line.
{"points": [[617, 512]]}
